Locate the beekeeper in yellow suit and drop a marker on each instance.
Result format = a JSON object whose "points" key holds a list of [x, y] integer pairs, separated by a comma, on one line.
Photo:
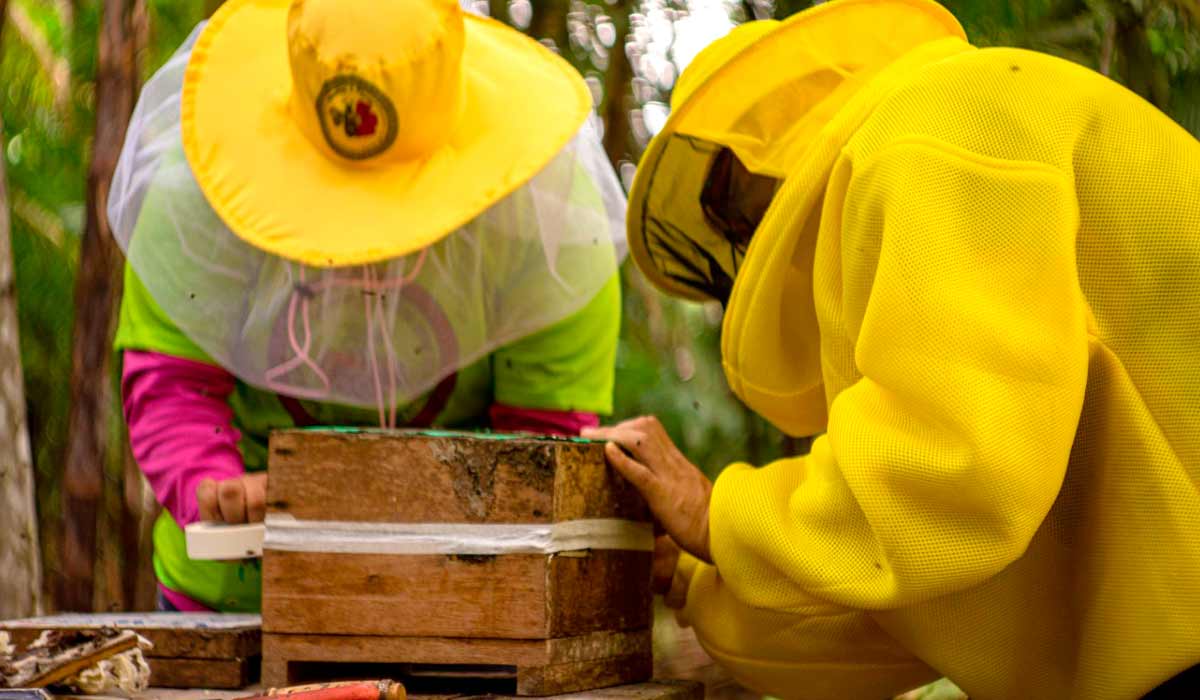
{"points": [[977, 271]]}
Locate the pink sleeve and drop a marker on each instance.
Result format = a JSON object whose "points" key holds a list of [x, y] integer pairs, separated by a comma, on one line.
{"points": [[532, 420], [180, 426]]}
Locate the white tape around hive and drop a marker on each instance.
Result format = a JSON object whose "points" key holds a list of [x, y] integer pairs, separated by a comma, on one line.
{"points": [[286, 533]]}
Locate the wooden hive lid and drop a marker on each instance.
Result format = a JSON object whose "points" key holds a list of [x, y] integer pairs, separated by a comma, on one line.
{"points": [[438, 476]]}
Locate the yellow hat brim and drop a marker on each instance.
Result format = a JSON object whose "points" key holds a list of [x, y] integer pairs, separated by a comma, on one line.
{"points": [[274, 189], [794, 58]]}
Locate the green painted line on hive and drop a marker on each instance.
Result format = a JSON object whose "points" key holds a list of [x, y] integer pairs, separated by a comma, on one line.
{"points": [[443, 433]]}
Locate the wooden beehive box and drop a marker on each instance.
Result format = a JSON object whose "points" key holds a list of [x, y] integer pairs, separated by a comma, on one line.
{"points": [[430, 549]]}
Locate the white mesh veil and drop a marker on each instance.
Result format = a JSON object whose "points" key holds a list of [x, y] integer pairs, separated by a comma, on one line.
{"points": [[368, 335]]}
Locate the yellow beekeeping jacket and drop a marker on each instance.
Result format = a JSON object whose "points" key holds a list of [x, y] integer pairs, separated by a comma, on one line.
{"points": [[983, 282]]}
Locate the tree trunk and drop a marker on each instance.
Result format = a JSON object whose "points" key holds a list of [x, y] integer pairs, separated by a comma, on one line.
{"points": [[97, 288], [1143, 73], [20, 562], [549, 22], [136, 508], [617, 90]]}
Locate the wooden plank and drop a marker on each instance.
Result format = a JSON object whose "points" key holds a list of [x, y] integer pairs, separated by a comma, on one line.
{"points": [[603, 590], [521, 596], [599, 645], [203, 673], [279, 650], [416, 650], [431, 479], [191, 635], [445, 650], [584, 675], [461, 479], [586, 487], [417, 595], [274, 672]]}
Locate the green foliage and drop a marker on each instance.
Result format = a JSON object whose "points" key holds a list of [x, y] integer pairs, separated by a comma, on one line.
{"points": [[44, 276], [171, 21], [669, 355], [669, 361], [668, 365], [44, 152], [48, 63]]}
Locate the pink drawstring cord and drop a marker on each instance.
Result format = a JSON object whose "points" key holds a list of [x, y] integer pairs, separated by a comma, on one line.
{"points": [[300, 351], [374, 317], [390, 351], [371, 359]]}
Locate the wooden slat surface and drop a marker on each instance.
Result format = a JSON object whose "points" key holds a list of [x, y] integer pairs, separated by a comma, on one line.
{"points": [[410, 595], [520, 596], [190, 635], [571, 676], [408, 477], [603, 590], [538, 667], [379, 478], [435, 650], [586, 487]]}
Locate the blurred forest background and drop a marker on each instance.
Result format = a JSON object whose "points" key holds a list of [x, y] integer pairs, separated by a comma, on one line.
{"points": [[69, 71]]}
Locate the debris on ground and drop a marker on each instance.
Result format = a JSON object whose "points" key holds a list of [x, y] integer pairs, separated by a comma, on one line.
{"points": [[88, 661]]}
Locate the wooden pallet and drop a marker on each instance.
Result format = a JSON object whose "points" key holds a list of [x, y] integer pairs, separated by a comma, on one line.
{"points": [[523, 667]]}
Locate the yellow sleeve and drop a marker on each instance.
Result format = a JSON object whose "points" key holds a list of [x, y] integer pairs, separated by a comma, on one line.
{"points": [[941, 461], [827, 651], [814, 650]]}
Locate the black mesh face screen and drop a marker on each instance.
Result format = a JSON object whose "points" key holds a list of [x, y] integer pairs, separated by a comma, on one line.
{"points": [[734, 199], [699, 215], [692, 265]]}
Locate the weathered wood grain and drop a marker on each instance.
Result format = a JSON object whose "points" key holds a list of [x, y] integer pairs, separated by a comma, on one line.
{"points": [[98, 284], [435, 650], [408, 476], [586, 487], [173, 635], [203, 673], [579, 675], [285, 655], [548, 618], [602, 590], [410, 595], [377, 477], [518, 596]]}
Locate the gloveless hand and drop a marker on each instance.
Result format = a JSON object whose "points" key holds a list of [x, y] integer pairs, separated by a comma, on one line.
{"points": [[677, 492], [242, 499]]}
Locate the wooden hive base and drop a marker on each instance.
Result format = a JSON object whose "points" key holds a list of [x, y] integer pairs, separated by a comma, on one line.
{"points": [[523, 667]]}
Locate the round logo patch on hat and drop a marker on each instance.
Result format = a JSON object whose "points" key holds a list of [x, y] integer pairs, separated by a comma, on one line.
{"points": [[357, 119]]}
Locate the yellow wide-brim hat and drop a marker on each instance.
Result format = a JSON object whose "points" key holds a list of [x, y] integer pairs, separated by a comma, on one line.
{"points": [[342, 132], [764, 91]]}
